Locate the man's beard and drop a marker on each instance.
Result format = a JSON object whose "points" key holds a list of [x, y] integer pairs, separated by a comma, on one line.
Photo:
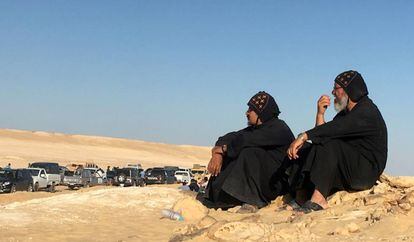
{"points": [[341, 103]]}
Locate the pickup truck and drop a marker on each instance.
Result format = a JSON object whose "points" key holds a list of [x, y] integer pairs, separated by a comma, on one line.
{"points": [[98, 173], [79, 178], [41, 180], [52, 171]]}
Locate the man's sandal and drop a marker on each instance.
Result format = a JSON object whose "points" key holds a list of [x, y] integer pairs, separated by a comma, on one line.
{"points": [[291, 205], [309, 207]]}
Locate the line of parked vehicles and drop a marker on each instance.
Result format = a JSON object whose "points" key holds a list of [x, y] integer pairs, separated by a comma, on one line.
{"points": [[48, 175]]}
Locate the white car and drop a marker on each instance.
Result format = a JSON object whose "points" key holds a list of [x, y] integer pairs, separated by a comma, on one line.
{"points": [[40, 179], [182, 176]]}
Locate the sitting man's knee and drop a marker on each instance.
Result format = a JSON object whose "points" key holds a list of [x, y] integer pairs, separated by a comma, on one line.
{"points": [[252, 150]]}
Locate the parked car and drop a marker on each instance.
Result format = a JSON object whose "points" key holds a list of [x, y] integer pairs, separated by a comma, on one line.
{"points": [[15, 180], [183, 176], [80, 178], [41, 180], [52, 172], [128, 176], [23, 180], [158, 176], [98, 173]]}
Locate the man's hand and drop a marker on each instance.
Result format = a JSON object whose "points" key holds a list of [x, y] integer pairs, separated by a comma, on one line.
{"points": [[323, 103], [214, 166], [293, 149]]}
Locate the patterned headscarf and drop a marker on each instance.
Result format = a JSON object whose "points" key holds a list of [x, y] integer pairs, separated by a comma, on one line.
{"points": [[264, 105], [353, 84]]}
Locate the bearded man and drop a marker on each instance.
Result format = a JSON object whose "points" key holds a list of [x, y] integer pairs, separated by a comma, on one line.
{"points": [[247, 166], [347, 153]]}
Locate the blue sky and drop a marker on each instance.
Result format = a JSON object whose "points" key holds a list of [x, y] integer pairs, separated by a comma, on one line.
{"points": [[181, 72]]}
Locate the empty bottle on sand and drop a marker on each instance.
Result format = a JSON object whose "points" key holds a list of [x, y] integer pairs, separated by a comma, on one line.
{"points": [[171, 214]]}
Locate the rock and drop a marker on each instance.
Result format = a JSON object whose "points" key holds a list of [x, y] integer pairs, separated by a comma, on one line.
{"points": [[205, 222], [344, 196], [405, 206], [376, 215], [233, 209], [408, 198], [373, 199], [352, 228], [238, 231], [398, 182], [186, 230], [339, 231], [280, 200], [213, 229], [190, 208], [381, 188]]}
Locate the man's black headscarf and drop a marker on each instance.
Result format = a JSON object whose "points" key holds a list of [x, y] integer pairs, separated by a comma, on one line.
{"points": [[264, 105], [353, 84]]}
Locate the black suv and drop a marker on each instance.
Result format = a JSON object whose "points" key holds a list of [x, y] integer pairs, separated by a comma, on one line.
{"points": [[16, 180], [158, 176], [128, 176]]}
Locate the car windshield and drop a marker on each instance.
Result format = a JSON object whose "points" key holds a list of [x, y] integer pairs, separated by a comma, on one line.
{"points": [[34, 172], [6, 174], [92, 170], [69, 173], [157, 172], [181, 173]]}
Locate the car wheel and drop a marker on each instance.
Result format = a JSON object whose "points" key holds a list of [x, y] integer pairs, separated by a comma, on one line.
{"points": [[71, 187], [121, 178], [30, 187], [36, 187], [13, 189], [51, 188]]}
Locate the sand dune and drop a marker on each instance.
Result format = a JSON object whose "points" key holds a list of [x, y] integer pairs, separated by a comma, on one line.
{"points": [[20, 147]]}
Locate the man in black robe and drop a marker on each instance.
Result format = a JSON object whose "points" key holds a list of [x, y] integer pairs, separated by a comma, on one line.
{"points": [[347, 153], [247, 165]]}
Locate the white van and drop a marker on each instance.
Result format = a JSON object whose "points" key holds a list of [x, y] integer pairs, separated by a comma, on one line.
{"points": [[182, 176]]}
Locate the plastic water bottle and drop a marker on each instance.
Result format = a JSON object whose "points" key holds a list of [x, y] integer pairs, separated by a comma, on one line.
{"points": [[171, 214]]}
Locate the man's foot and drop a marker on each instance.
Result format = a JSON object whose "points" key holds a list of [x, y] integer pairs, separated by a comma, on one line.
{"points": [[247, 208]]}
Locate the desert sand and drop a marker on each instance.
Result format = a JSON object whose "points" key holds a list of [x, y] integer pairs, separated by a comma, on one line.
{"points": [[20, 147], [103, 213]]}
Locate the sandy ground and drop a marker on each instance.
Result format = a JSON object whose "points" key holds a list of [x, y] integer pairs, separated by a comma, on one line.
{"points": [[95, 214], [383, 213]]}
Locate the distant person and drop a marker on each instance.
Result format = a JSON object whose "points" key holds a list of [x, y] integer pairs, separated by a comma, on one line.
{"points": [[246, 166], [184, 186], [194, 186], [204, 182], [8, 167], [347, 153]]}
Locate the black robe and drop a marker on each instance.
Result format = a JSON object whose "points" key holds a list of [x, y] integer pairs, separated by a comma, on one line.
{"points": [[349, 152], [252, 170]]}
